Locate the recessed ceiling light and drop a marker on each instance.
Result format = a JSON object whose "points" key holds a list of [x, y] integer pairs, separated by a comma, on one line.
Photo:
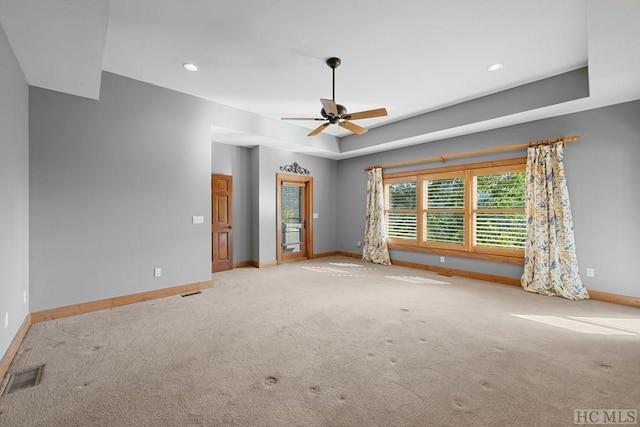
{"points": [[190, 67], [494, 67]]}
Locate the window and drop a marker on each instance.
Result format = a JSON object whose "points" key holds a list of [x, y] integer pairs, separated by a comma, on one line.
{"points": [[472, 210], [443, 209], [401, 203], [498, 209]]}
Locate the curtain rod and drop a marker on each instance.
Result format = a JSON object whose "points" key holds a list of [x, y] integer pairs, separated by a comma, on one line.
{"points": [[563, 139]]}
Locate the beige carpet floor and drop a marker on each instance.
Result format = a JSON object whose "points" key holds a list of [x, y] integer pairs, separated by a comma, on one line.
{"points": [[332, 342]]}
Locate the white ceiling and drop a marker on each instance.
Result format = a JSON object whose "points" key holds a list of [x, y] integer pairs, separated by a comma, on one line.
{"points": [[268, 57]]}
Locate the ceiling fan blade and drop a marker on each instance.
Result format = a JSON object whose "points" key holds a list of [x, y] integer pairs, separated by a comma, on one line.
{"points": [[352, 127], [303, 118], [378, 112], [330, 106], [319, 129]]}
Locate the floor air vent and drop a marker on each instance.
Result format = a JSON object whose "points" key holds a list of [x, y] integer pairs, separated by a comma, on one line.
{"points": [[23, 379], [190, 294]]}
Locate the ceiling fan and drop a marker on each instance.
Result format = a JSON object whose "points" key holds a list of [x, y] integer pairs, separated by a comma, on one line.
{"points": [[337, 114]]}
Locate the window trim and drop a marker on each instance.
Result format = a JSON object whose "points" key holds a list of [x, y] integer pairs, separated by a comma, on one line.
{"points": [[467, 171]]}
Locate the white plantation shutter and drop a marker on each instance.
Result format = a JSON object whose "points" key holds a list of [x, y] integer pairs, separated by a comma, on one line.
{"points": [[402, 226], [500, 230]]}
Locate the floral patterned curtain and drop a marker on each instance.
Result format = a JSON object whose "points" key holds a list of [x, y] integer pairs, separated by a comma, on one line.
{"points": [[374, 247], [550, 264]]}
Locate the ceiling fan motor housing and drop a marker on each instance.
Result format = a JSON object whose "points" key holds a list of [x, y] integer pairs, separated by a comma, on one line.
{"points": [[342, 110]]}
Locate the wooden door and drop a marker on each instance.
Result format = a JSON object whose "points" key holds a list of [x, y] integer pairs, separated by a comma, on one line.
{"points": [[221, 223], [295, 226]]}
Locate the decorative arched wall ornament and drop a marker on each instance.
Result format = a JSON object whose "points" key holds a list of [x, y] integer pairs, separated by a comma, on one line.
{"points": [[295, 168]]}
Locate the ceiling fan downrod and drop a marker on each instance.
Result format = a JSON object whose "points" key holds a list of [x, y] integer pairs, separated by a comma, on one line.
{"points": [[333, 63]]}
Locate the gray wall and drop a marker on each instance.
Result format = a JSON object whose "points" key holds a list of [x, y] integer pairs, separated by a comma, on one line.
{"points": [[550, 91], [236, 161], [114, 184], [255, 205], [14, 194], [602, 175]]}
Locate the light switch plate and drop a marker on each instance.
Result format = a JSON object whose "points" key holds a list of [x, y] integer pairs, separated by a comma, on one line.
{"points": [[198, 219], [315, 215]]}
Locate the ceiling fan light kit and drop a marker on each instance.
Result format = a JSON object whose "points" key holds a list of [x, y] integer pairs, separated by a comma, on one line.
{"points": [[333, 113]]}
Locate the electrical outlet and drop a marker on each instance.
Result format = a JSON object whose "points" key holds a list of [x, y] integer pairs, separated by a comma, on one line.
{"points": [[24, 297], [157, 272], [591, 272], [442, 259], [6, 320], [359, 244]]}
